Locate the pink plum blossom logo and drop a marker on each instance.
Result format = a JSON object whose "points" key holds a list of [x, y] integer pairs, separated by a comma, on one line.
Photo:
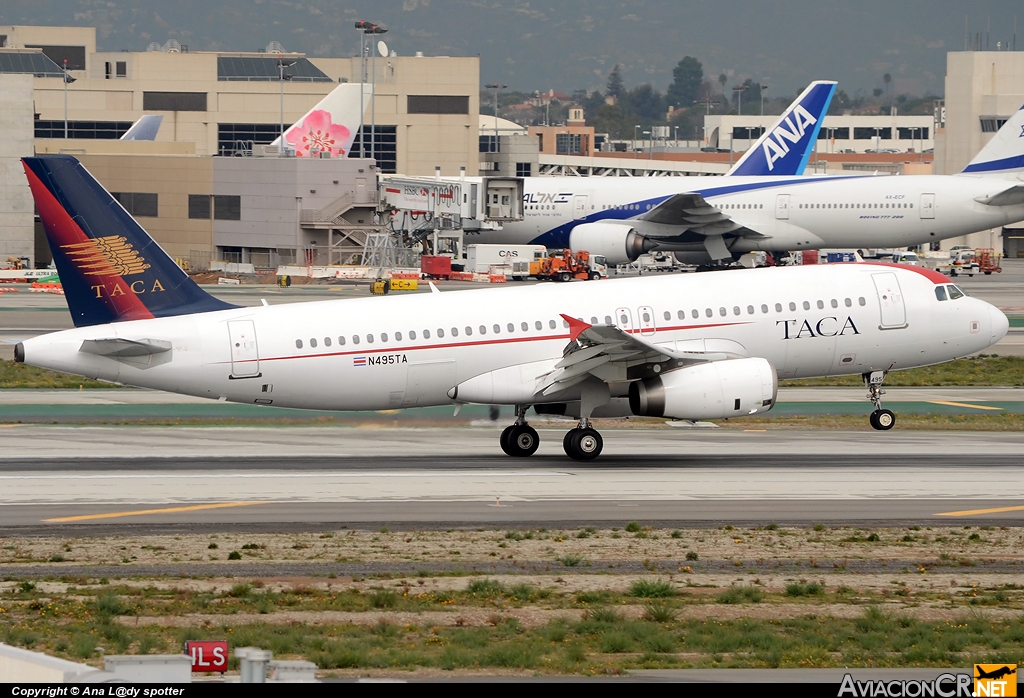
{"points": [[317, 134]]}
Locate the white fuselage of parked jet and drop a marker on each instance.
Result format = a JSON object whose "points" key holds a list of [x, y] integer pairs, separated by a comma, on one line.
{"points": [[389, 352], [790, 213]]}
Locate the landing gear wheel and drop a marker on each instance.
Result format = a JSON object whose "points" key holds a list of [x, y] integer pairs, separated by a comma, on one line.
{"points": [[503, 439], [883, 420], [584, 444], [522, 441]]}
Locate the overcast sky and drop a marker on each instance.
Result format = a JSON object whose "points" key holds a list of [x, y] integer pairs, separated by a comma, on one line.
{"points": [[570, 44]]}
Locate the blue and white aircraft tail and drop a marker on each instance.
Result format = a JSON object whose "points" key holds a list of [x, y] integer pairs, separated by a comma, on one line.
{"points": [[785, 147], [1005, 152], [145, 129]]}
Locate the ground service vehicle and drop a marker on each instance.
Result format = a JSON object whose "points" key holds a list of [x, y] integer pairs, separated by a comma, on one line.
{"points": [[563, 265]]}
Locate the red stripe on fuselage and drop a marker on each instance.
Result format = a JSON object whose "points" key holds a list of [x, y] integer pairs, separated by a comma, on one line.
{"points": [[63, 230]]}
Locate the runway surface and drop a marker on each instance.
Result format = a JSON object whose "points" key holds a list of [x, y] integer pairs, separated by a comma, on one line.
{"points": [[78, 478]]}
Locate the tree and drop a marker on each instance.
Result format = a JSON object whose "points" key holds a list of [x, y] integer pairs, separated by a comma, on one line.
{"points": [[646, 103], [687, 78], [887, 79], [615, 88], [722, 79]]}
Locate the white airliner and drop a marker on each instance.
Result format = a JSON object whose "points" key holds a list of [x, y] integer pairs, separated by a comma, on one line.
{"points": [[684, 346], [704, 219]]}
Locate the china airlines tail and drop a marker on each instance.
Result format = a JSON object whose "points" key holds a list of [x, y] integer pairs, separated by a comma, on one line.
{"points": [[1005, 152], [785, 147], [111, 269], [330, 126]]}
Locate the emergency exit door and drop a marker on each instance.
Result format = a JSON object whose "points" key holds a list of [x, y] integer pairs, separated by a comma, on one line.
{"points": [[579, 207], [245, 357], [890, 301], [782, 207], [927, 205]]}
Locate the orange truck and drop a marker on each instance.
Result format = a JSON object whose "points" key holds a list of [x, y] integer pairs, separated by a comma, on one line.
{"points": [[564, 265]]}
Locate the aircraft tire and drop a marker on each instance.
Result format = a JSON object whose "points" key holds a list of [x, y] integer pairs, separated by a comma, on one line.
{"points": [[503, 439], [883, 420], [523, 441], [584, 444]]}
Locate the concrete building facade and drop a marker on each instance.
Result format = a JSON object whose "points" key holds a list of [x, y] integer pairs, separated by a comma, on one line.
{"points": [[17, 240]]}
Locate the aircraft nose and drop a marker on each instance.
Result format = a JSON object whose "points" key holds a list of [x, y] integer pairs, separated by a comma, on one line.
{"points": [[1000, 324]]}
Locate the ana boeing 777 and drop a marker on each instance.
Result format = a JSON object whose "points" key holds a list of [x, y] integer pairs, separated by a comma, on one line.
{"points": [[693, 347]]}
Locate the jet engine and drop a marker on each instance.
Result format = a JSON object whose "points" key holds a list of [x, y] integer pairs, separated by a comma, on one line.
{"points": [[713, 390], [619, 243]]}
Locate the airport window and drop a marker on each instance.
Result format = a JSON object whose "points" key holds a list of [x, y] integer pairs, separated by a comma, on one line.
{"points": [[385, 146], [227, 208], [341, 341], [174, 101], [991, 124], [369, 339], [74, 55], [138, 204], [551, 324], [524, 169], [122, 69], [861, 301], [835, 303], [792, 306], [327, 341], [312, 343], [821, 305], [837, 133], [778, 307], [355, 339], [383, 337], [437, 104], [261, 69], [848, 302], [764, 308], [490, 144], [940, 293], [866, 133], [240, 138], [30, 62], [722, 312], [93, 130], [298, 343], [569, 144], [954, 293], [199, 206]]}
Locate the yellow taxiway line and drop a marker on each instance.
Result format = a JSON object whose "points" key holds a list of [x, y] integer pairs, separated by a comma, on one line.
{"points": [[963, 404], [976, 512], [144, 512]]}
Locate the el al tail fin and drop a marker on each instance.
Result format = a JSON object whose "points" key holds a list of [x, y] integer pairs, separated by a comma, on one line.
{"points": [[330, 126], [1005, 152], [145, 129], [110, 268], [786, 146]]}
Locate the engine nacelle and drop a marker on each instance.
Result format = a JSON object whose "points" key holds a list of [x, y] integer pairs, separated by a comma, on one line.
{"points": [[713, 390], [618, 242]]}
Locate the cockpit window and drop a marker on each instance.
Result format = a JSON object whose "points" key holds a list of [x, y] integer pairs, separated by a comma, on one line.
{"points": [[955, 292], [940, 293]]}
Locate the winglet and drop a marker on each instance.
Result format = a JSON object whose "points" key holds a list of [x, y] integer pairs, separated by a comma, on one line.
{"points": [[576, 327]]}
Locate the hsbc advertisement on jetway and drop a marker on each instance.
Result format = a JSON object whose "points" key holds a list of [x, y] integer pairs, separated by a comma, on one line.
{"points": [[442, 197]]}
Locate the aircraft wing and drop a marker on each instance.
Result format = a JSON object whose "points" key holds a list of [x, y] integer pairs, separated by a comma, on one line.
{"points": [[694, 214], [611, 354]]}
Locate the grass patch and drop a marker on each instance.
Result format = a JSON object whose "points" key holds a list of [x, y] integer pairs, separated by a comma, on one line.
{"points": [[804, 589], [739, 595], [975, 370], [651, 589], [16, 376]]}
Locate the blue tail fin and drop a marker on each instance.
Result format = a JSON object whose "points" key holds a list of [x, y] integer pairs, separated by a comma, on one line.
{"points": [[785, 147], [1005, 152], [110, 268]]}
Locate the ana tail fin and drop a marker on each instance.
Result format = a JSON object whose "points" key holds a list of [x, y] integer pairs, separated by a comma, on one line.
{"points": [[1005, 152], [145, 129], [331, 125], [785, 147], [110, 268]]}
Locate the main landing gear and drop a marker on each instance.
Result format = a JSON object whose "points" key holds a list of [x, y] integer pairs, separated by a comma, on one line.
{"points": [[520, 439], [583, 443], [880, 419]]}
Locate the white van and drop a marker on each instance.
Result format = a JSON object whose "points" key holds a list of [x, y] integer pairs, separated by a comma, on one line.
{"points": [[910, 258]]}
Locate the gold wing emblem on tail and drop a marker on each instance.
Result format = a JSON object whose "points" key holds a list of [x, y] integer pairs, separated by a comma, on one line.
{"points": [[106, 256]]}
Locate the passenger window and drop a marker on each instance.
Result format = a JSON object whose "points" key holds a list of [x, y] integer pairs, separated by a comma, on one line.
{"points": [[483, 329], [695, 313], [955, 292], [327, 341], [538, 326], [565, 323], [647, 317], [940, 293], [764, 308], [668, 315], [524, 327], [862, 301], [369, 339], [341, 341], [355, 339], [298, 343], [821, 305], [681, 314], [312, 343], [835, 303], [848, 302], [778, 307], [469, 331], [440, 333], [511, 327], [593, 320], [551, 324], [398, 336], [607, 319], [722, 311], [455, 332], [412, 334], [807, 306], [709, 312], [792, 306], [735, 310], [384, 337], [750, 310]]}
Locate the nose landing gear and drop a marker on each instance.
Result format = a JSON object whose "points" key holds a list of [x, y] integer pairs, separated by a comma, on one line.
{"points": [[520, 439], [880, 419], [583, 443]]}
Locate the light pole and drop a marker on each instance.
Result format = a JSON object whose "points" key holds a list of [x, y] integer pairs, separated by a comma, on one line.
{"points": [[650, 150], [497, 87], [281, 65], [677, 135], [373, 30], [67, 79], [361, 27], [761, 88], [635, 128], [739, 89]]}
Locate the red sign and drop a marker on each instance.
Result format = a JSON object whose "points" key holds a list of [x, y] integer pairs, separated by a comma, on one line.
{"points": [[208, 656]]}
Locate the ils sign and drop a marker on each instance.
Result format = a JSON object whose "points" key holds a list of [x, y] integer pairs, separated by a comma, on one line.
{"points": [[208, 656]]}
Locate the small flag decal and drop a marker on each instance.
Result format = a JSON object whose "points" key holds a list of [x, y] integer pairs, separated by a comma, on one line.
{"points": [[358, 360]]}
